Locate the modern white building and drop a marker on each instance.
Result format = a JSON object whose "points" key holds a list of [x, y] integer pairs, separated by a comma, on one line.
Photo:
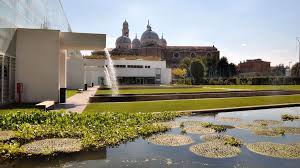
{"points": [[35, 41], [129, 72]]}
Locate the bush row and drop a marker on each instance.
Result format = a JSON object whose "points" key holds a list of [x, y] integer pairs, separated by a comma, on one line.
{"points": [[253, 81]]}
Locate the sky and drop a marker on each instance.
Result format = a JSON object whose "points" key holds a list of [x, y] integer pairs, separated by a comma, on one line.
{"points": [[240, 29]]}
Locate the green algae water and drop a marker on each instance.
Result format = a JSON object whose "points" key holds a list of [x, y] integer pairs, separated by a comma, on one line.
{"points": [[142, 153]]}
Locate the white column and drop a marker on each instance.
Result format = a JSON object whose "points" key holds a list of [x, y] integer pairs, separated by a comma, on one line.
{"points": [[63, 69]]}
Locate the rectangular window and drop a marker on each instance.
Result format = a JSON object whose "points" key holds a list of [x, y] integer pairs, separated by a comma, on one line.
{"points": [[135, 66]]}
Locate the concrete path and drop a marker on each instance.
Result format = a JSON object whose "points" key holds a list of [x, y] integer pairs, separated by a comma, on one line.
{"points": [[78, 102]]}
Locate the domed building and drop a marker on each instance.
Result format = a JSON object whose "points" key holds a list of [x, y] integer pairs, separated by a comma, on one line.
{"points": [[162, 41], [149, 38], [151, 47], [136, 43], [124, 42]]}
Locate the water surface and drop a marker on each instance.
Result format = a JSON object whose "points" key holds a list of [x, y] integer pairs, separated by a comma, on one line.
{"points": [[141, 153]]}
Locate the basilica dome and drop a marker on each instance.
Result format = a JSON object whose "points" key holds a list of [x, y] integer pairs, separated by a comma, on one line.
{"points": [[136, 43], [149, 37], [162, 41], [123, 42]]}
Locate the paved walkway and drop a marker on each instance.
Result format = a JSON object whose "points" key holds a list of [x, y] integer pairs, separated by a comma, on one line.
{"points": [[78, 102]]}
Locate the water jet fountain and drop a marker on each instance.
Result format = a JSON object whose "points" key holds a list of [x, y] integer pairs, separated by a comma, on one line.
{"points": [[110, 74]]}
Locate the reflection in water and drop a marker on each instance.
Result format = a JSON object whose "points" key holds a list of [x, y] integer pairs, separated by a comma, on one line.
{"points": [[60, 160], [142, 153]]}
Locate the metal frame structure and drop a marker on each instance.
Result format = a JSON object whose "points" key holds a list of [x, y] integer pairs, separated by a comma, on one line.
{"points": [[7, 84]]}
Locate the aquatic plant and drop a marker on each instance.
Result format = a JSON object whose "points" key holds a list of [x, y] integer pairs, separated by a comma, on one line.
{"points": [[170, 140], [206, 124], [219, 128], [7, 135], [288, 130], [199, 130], [270, 132], [181, 125], [287, 151], [169, 124], [95, 130], [215, 149], [49, 146], [288, 117], [267, 122], [232, 141], [229, 119]]}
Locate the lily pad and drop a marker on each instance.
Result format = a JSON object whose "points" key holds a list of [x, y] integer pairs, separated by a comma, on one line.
{"points": [[170, 140], [251, 127], [289, 130], [49, 146], [7, 135], [215, 137], [269, 132], [199, 130], [229, 119], [170, 124], [287, 151], [267, 122], [215, 149]]}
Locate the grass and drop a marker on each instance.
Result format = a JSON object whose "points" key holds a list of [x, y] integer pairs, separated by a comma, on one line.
{"points": [[71, 93], [195, 104], [206, 88], [163, 90]]}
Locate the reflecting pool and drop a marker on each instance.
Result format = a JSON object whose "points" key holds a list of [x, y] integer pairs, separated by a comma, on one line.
{"points": [[142, 153]]}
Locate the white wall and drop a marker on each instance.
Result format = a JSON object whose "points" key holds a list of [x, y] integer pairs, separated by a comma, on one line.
{"points": [[75, 73], [94, 69], [37, 64]]}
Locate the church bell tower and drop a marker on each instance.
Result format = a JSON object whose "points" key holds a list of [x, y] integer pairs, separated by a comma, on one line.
{"points": [[125, 30]]}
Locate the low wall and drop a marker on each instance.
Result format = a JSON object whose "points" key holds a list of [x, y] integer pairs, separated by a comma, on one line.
{"points": [[199, 95], [149, 87]]}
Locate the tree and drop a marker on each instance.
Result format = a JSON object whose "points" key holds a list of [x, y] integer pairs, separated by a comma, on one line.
{"points": [[179, 73], [223, 67], [211, 65], [197, 71], [232, 70], [296, 70], [185, 63], [279, 70]]}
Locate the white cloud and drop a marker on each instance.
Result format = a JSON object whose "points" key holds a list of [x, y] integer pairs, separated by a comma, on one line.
{"points": [[244, 45]]}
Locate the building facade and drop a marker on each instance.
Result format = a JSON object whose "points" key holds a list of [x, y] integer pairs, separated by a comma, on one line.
{"points": [[129, 72], [41, 14], [35, 41], [256, 66], [152, 47]]}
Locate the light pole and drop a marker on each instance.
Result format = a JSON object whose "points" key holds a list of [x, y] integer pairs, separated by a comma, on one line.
{"points": [[298, 41]]}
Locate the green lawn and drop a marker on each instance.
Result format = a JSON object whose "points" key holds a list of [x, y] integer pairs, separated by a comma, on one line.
{"points": [[163, 90], [205, 88], [197, 104], [71, 93]]}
